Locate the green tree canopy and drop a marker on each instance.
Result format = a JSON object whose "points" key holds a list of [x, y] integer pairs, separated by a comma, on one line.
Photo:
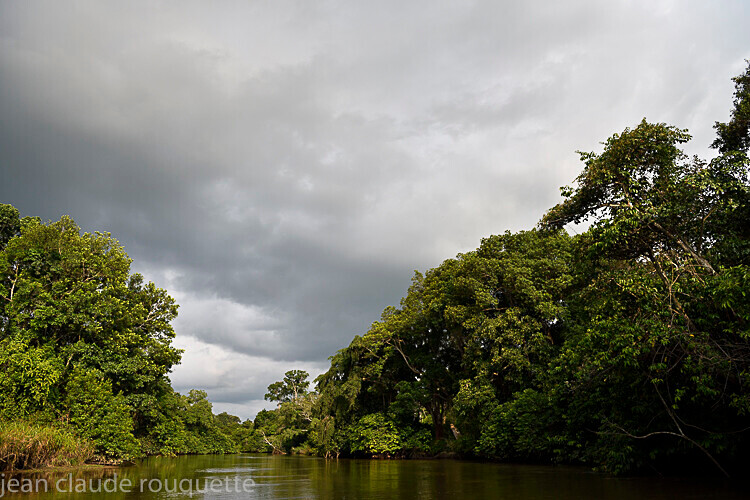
{"points": [[69, 304], [291, 389], [735, 134]]}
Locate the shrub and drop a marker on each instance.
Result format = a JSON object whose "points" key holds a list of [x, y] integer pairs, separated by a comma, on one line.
{"points": [[375, 434]]}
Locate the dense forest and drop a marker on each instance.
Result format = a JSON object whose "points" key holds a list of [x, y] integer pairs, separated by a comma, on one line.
{"points": [[625, 347], [85, 349]]}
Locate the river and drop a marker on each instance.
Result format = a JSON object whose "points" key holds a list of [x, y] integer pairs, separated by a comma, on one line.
{"points": [[277, 477]]}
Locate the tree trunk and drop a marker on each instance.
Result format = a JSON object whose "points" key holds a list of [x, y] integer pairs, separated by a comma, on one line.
{"points": [[437, 421]]}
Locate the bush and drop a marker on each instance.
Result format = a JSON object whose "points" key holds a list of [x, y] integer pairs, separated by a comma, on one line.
{"points": [[100, 415], [375, 434]]}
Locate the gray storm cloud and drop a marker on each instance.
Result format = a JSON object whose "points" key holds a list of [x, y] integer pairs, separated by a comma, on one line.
{"points": [[283, 167]]}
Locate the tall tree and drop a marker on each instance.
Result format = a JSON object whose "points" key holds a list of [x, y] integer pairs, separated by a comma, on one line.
{"points": [[68, 303], [735, 134], [291, 389], [664, 302]]}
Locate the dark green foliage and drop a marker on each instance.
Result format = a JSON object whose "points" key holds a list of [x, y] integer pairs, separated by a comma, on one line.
{"points": [[10, 223], [288, 428], [85, 346], [99, 415], [292, 388], [467, 336], [626, 347], [375, 434], [735, 135], [204, 430]]}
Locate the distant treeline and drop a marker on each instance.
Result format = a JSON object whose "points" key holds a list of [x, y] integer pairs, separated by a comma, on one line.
{"points": [[626, 347]]}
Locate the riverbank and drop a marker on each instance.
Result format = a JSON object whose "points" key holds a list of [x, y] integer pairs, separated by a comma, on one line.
{"points": [[294, 476], [28, 446]]}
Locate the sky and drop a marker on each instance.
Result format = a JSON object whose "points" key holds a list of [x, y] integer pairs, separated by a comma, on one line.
{"points": [[283, 167]]}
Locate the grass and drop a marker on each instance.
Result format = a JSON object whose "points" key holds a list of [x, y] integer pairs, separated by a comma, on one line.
{"points": [[25, 445]]}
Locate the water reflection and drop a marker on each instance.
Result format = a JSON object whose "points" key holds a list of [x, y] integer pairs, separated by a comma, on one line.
{"points": [[277, 477]]}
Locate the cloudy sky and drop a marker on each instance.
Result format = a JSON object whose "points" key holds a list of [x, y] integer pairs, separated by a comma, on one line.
{"points": [[282, 167]]}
